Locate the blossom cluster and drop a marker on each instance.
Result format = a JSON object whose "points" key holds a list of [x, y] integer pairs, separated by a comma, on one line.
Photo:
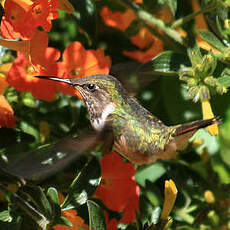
{"points": [[148, 45], [22, 19]]}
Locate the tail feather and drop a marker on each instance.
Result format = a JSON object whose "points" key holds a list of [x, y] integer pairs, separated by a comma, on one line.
{"points": [[192, 126]]}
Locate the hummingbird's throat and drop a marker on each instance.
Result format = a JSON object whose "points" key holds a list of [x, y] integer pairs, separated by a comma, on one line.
{"points": [[99, 122]]}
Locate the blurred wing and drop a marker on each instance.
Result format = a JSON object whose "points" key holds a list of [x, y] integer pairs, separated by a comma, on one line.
{"points": [[47, 160], [134, 76]]}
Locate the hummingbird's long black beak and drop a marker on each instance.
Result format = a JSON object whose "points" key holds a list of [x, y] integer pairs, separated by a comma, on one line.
{"points": [[68, 81]]}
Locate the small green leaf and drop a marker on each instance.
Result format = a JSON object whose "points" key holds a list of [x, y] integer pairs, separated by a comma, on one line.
{"points": [[225, 139], [224, 79], [195, 55], [166, 63], [221, 170], [96, 216], [5, 216], [83, 185], [209, 142], [29, 101], [52, 193], [38, 197], [150, 172], [54, 202], [211, 39], [8, 222], [28, 128]]}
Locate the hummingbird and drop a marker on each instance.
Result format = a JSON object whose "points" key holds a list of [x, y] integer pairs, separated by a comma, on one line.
{"points": [[119, 121], [134, 132]]}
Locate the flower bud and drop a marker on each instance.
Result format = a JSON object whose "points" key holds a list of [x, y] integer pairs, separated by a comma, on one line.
{"points": [[211, 81], [170, 197], [193, 93], [214, 218], [221, 89], [204, 93], [209, 197], [191, 82]]}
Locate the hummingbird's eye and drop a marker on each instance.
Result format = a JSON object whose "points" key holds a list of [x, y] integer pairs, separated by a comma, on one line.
{"points": [[89, 87]]}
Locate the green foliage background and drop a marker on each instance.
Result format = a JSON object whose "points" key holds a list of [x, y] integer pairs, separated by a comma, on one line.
{"points": [[166, 97]]}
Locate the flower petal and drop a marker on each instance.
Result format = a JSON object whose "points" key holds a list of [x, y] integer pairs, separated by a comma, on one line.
{"points": [[7, 118]]}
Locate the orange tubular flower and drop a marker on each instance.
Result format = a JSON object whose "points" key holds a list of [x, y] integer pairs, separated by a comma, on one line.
{"points": [[120, 20], [14, 18], [21, 75], [22, 17], [4, 69], [146, 55], [43, 12], [201, 25], [148, 44], [78, 62], [111, 224], [118, 189], [7, 118], [30, 48]]}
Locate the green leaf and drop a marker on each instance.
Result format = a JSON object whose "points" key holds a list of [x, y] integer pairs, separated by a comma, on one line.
{"points": [[83, 185], [5, 216], [38, 197], [166, 63], [185, 213], [54, 202], [52, 193], [86, 15], [149, 172], [209, 142], [29, 101], [221, 170], [10, 222], [195, 55], [212, 40], [28, 128], [225, 139], [224, 79], [96, 216]]}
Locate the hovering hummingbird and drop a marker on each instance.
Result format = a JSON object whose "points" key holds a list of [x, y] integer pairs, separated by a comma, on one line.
{"points": [[119, 121], [136, 134]]}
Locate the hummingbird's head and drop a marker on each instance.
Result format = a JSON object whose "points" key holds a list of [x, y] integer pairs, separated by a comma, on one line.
{"points": [[101, 93]]}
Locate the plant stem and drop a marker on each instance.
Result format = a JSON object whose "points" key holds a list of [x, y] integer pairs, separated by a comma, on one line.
{"points": [[149, 20], [189, 17]]}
